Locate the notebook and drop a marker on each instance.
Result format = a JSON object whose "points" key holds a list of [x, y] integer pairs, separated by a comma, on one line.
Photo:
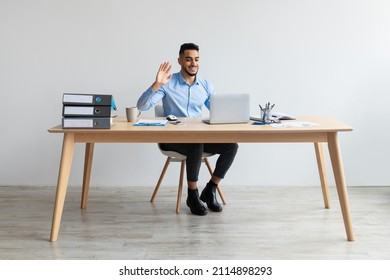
{"points": [[275, 115], [229, 108]]}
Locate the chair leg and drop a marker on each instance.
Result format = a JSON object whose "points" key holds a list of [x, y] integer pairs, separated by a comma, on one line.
{"points": [[180, 189], [206, 161], [221, 195], [160, 179]]}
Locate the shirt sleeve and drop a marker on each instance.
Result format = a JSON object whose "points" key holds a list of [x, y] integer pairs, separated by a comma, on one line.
{"points": [[210, 91], [149, 98]]}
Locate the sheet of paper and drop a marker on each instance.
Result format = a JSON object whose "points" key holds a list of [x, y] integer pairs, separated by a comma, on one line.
{"points": [[293, 124]]}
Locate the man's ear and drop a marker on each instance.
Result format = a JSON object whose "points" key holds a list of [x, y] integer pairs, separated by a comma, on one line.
{"points": [[179, 60]]}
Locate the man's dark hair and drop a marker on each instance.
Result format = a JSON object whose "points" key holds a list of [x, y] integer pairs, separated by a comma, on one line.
{"points": [[188, 46]]}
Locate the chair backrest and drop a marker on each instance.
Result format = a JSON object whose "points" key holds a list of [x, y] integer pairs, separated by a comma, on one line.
{"points": [[158, 111]]}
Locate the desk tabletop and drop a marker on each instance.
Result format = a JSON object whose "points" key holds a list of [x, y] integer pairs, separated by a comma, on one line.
{"points": [[120, 125]]}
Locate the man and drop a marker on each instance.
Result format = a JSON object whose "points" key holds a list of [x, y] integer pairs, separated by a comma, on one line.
{"points": [[183, 94]]}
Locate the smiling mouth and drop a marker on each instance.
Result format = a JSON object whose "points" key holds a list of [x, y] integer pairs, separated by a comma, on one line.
{"points": [[192, 71]]}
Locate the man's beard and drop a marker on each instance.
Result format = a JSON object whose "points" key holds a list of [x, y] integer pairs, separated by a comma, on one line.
{"points": [[192, 74]]}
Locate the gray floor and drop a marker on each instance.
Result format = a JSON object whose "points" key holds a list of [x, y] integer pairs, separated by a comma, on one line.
{"points": [[268, 223]]}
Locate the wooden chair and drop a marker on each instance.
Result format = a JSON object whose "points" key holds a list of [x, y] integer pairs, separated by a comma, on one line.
{"points": [[173, 156]]}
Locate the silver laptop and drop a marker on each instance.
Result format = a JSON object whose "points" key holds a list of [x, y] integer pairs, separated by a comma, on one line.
{"points": [[229, 108]]}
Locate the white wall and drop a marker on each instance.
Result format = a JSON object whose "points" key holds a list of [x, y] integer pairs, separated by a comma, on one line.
{"points": [[310, 57]]}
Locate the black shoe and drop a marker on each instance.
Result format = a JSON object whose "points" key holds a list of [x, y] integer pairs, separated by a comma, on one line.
{"points": [[209, 197], [193, 201]]}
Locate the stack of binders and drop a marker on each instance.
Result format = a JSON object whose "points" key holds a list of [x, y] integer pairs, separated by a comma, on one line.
{"points": [[87, 110]]}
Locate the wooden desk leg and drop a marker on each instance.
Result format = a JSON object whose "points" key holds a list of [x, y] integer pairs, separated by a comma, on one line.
{"points": [[87, 173], [338, 171], [62, 183], [322, 171]]}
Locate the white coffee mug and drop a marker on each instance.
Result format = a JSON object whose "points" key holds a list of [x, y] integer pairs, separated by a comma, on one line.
{"points": [[132, 114]]}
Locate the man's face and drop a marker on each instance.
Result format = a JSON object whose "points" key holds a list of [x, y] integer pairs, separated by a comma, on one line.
{"points": [[189, 62]]}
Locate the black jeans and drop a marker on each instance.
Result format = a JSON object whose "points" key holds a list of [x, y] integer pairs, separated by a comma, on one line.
{"points": [[194, 152]]}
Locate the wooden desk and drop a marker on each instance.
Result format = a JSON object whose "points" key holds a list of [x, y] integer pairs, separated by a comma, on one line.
{"points": [[195, 131]]}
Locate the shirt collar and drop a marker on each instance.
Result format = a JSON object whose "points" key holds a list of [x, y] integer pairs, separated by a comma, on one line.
{"points": [[182, 81]]}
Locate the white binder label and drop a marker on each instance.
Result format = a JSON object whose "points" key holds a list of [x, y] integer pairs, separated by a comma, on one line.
{"points": [[76, 98], [78, 123], [78, 110]]}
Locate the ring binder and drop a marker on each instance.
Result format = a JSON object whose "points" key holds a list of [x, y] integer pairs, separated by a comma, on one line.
{"points": [[86, 99], [87, 110]]}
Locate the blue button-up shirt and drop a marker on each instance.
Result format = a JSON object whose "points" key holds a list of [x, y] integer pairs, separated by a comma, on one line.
{"points": [[178, 97]]}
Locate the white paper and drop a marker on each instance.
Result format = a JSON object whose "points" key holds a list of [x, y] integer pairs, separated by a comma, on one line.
{"points": [[293, 124]]}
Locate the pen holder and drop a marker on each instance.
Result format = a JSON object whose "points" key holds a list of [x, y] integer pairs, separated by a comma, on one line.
{"points": [[265, 115]]}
